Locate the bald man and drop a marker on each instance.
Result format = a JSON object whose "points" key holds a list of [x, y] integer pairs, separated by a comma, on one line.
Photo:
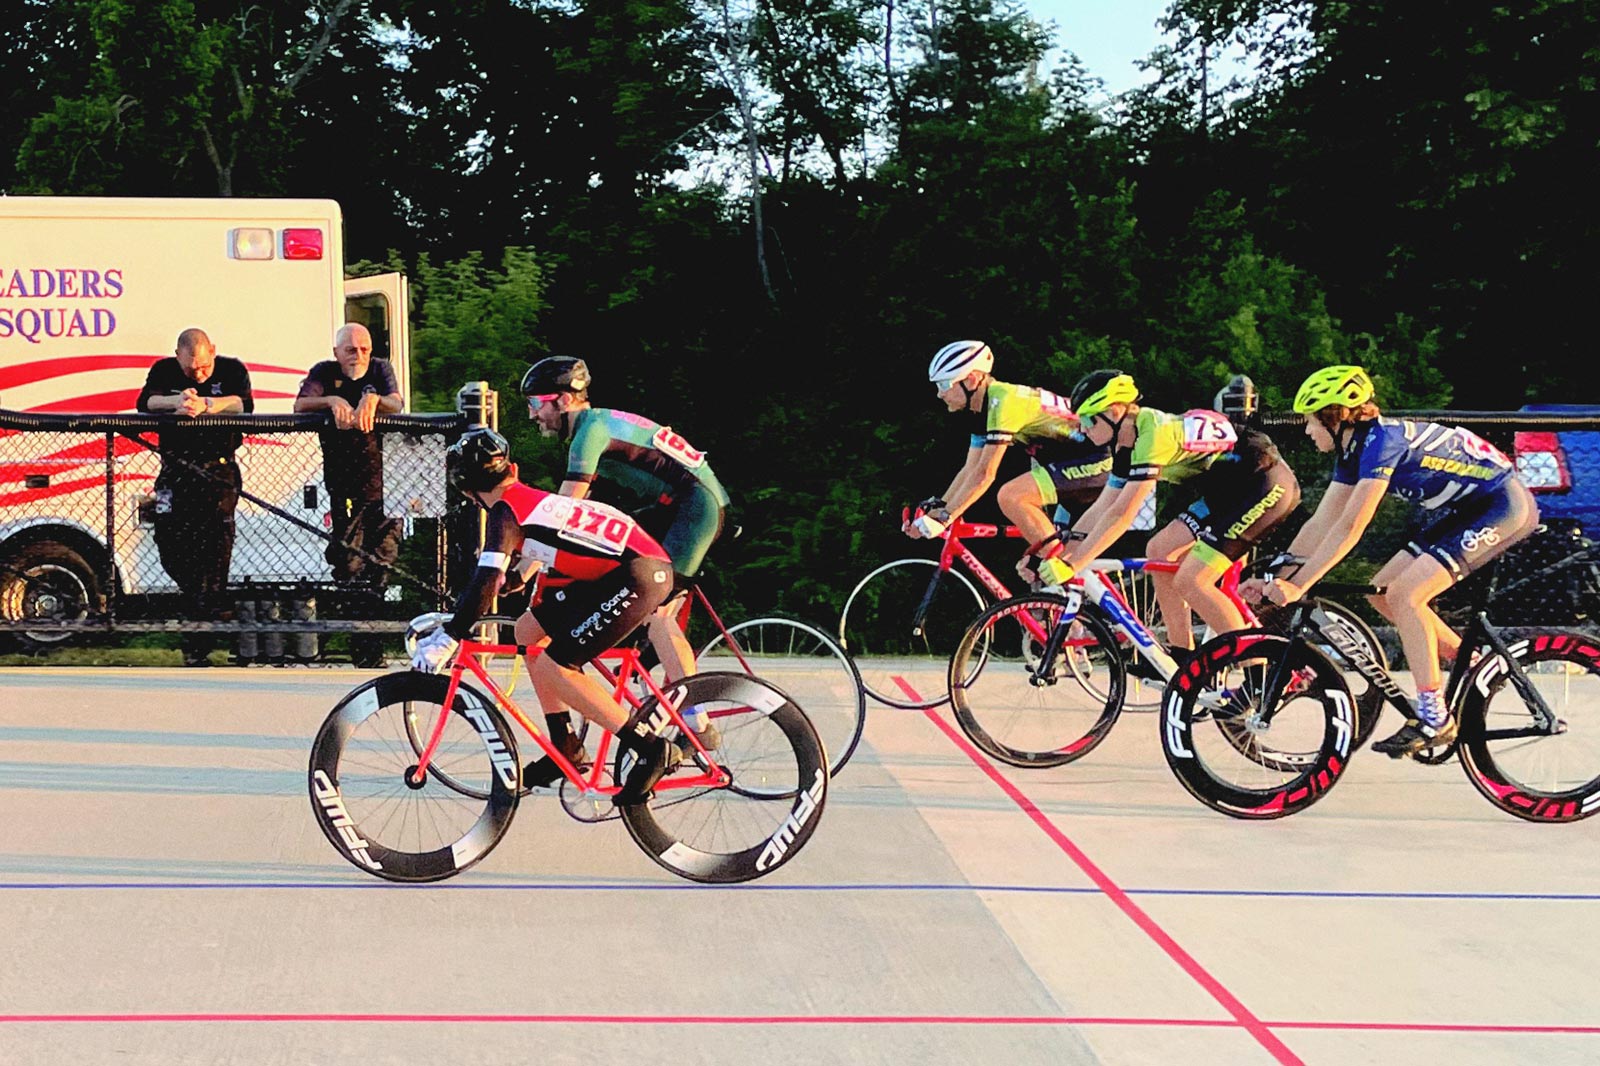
{"points": [[198, 487], [354, 388]]}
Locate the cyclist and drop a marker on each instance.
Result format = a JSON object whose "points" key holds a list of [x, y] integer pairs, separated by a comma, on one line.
{"points": [[1473, 508], [618, 575], [1066, 471], [1245, 488], [647, 470]]}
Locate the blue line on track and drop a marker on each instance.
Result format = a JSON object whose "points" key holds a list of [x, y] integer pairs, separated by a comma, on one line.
{"points": [[479, 886]]}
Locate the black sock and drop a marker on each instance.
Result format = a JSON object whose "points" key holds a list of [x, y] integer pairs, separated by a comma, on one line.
{"points": [[558, 727]]}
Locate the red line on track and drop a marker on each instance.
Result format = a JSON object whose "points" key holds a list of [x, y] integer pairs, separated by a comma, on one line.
{"points": [[801, 1019], [1186, 962]]}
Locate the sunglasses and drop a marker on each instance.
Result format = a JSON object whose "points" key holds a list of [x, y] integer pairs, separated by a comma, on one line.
{"points": [[542, 399]]}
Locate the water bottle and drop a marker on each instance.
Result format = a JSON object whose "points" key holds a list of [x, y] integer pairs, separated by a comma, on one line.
{"points": [[303, 608], [269, 611], [249, 639]]}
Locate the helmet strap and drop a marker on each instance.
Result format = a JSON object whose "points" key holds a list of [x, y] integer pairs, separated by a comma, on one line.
{"points": [[982, 387]]}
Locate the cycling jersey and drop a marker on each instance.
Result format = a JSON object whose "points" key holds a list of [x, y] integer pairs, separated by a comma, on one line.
{"points": [[1021, 414], [1423, 462], [583, 540], [1162, 449], [645, 459]]}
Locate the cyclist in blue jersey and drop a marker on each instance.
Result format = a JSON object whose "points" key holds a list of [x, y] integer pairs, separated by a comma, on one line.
{"points": [[646, 470], [1473, 507]]}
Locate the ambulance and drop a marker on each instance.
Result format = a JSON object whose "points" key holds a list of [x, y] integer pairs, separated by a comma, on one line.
{"points": [[93, 291]]}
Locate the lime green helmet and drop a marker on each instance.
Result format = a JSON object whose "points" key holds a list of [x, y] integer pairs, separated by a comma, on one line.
{"points": [[1347, 385], [1099, 389]]}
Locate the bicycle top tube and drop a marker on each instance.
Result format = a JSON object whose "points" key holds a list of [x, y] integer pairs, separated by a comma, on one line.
{"points": [[961, 529]]}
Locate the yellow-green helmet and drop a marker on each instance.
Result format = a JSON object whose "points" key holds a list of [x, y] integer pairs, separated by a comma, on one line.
{"points": [[1099, 389], [1347, 385]]}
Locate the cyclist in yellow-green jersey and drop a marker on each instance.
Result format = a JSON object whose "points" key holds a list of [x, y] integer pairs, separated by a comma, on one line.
{"points": [[1066, 470], [1245, 488]]}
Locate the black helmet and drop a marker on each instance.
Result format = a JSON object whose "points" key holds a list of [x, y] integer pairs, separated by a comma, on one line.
{"points": [[1237, 399], [557, 373], [477, 462]]}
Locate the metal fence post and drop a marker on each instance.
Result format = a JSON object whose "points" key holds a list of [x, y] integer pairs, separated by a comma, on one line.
{"points": [[109, 588]]}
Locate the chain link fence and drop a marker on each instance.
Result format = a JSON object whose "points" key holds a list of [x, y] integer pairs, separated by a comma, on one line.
{"points": [[1548, 579], [92, 528]]}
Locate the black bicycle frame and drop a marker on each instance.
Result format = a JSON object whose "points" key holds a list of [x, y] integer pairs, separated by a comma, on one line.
{"points": [[1307, 618]]}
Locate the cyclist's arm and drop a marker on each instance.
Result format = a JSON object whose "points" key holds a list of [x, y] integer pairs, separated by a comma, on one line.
{"points": [[576, 489], [1333, 504], [503, 537], [1121, 507], [1343, 528], [975, 478]]}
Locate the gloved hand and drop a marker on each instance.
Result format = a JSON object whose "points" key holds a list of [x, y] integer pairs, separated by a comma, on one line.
{"points": [[1054, 571], [435, 652], [928, 526]]}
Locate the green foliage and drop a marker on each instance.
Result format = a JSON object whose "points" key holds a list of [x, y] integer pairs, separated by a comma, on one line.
{"points": [[1381, 185]]}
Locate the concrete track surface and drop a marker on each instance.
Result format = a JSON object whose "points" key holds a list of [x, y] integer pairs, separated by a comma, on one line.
{"points": [[167, 898]]}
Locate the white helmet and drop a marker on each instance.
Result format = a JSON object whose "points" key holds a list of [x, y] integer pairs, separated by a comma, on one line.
{"points": [[957, 360]]}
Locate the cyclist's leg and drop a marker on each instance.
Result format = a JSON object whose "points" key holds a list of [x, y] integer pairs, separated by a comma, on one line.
{"points": [[1023, 500], [1239, 514], [696, 523], [583, 620], [1452, 547], [1171, 543]]}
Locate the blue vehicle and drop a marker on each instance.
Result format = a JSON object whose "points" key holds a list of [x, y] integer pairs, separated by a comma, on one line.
{"points": [[1563, 469]]}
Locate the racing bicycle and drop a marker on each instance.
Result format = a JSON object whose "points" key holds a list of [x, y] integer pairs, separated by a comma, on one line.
{"points": [[416, 777], [1515, 692], [1038, 680]]}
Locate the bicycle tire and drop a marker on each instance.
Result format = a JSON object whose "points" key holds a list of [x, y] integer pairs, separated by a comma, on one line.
{"points": [[1368, 702], [1220, 673], [779, 785], [1025, 715], [370, 812], [806, 663], [1532, 777], [875, 629]]}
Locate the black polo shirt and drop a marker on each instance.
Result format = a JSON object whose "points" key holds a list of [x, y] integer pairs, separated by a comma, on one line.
{"points": [[229, 377], [352, 461]]}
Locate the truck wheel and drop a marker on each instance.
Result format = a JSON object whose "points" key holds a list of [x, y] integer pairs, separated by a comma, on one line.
{"points": [[48, 581]]}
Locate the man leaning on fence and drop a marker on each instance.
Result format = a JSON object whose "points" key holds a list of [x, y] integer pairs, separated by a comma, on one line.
{"points": [[354, 388], [198, 487]]}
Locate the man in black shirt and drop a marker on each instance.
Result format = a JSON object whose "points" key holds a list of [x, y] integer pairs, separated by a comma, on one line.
{"points": [[198, 487], [354, 388]]}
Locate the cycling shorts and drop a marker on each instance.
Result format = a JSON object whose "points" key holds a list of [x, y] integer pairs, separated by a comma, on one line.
{"points": [[586, 618], [1072, 484], [686, 527], [1465, 537], [1238, 509]]}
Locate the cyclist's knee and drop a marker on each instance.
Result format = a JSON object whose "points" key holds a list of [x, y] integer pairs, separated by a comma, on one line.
{"points": [[527, 629]]}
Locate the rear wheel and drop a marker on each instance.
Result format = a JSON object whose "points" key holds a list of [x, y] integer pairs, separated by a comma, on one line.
{"points": [[1520, 768], [768, 808], [807, 664], [903, 664]]}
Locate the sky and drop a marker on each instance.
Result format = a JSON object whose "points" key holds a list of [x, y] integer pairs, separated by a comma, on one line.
{"points": [[1108, 35]]}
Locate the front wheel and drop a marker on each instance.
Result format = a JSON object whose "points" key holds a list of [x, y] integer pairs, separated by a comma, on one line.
{"points": [[777, 784], [1036, 682], [806, 663], [1237, 770], [376, 815], [902, 658], [1524, 770]]}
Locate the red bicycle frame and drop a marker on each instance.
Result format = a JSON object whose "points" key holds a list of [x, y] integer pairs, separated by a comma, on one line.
{"points": [[628, 669]]}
